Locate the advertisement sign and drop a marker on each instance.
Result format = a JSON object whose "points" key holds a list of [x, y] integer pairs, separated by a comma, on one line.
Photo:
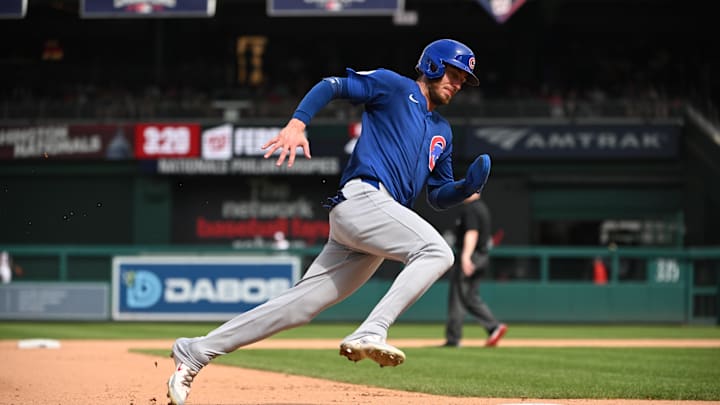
{"points": [[197, 288], [55, 301], [67, 142], [179, 148], [249, 140], [13, 8], [217, 142], [248, 166], [330, 8], [252, 211], [174, 140], [572, 141], [146, 8], [237, 150], [225, 141]]}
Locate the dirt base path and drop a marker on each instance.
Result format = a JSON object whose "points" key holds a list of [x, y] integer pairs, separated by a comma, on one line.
{"points": [[105, 372]]}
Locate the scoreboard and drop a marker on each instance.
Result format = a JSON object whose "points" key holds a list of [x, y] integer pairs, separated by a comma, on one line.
{"points": [[13, 8], [320, 8], [146, 8]]}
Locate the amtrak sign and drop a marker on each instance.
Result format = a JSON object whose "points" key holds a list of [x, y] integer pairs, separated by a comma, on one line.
{"points": [[573, 141]]}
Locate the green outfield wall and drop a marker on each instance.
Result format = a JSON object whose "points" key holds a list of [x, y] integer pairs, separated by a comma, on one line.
{"points": [[535, 302], [524, 284]]}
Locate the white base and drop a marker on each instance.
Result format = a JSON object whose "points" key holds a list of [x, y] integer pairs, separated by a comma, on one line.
{"points": [[38, 344]]}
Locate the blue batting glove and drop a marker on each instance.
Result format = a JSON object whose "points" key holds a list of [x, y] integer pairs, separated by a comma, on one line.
{"points": [[477, 174]]}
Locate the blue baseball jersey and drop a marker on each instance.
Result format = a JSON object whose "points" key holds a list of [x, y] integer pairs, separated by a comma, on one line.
{"points": [[402, 144]]}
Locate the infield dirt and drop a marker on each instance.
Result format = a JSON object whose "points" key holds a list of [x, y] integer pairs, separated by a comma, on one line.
{"points": [[105, 372]]}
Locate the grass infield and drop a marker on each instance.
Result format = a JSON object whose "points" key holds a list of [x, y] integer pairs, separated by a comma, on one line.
{"points": [[510, 372]]}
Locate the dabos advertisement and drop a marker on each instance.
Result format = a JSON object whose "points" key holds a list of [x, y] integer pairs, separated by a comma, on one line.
{"points": [[197, 288]]}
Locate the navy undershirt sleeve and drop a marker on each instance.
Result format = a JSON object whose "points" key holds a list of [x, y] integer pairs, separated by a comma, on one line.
{"points": [[319, 96], [448, 195]]}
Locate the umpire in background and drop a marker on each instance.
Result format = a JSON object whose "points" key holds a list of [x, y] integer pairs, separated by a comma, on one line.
{"points": [[472, 243]]}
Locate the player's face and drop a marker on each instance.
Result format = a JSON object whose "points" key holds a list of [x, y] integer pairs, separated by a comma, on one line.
{"points": [[442, 90]]}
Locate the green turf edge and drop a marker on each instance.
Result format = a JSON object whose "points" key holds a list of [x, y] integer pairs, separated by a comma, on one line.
{"points": [[168, 330], [597, 373]]}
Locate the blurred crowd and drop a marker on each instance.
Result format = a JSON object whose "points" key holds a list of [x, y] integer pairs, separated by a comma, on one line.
{"points": [[553, 59], [569, 83], [115, 102]]}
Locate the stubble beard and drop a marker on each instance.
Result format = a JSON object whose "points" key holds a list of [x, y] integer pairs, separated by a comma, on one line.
{"points": [[437, 98]]}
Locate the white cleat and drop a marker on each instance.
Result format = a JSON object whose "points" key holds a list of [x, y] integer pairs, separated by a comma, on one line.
{"points": [[179, 384], [380, 352]]}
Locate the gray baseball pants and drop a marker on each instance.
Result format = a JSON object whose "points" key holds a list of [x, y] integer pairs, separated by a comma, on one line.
{"points": [[367, 228]]}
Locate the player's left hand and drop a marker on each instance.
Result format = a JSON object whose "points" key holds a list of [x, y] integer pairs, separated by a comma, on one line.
{"points": [[288, 140], [477, 174]]}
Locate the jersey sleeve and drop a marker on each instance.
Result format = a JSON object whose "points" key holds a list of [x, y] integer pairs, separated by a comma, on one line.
{"points": [[369, 87], [443, 171]]}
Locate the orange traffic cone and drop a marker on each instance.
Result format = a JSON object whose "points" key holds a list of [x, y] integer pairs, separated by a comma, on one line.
{"points": [[599, 272]]}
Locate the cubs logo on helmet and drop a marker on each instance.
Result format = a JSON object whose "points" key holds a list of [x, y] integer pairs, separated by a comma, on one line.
{"points": [[437, 146], [443, 52]]}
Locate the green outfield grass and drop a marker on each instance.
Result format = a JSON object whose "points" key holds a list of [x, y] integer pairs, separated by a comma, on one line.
{"points": [[171, 330], [510, 372], [671, 374]]}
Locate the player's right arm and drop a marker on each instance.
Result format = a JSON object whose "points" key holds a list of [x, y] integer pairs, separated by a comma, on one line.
{"points": [[288, 140], [293, 135], [453, 193]]}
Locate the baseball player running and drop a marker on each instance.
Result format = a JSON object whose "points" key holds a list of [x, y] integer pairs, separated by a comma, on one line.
{"points": [[405, 146]]}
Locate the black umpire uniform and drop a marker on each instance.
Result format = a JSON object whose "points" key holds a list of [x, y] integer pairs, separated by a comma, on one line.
{"points": [[464, 290]]}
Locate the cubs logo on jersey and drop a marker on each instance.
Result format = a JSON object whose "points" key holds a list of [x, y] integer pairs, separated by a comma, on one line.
{"points": [[437, 146]]}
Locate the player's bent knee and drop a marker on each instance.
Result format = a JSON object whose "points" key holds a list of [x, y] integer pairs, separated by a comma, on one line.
{"points": [[449, 257], [444, 256]]}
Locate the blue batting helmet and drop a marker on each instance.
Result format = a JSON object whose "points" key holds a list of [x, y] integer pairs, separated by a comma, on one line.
{"points": [[444, 52]]}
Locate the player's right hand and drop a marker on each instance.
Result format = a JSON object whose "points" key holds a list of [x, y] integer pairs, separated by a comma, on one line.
{"points": [[287, 141]]}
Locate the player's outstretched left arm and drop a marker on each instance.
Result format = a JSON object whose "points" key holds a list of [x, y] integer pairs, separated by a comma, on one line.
{"points": [[287, 141], [453, 193]]}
